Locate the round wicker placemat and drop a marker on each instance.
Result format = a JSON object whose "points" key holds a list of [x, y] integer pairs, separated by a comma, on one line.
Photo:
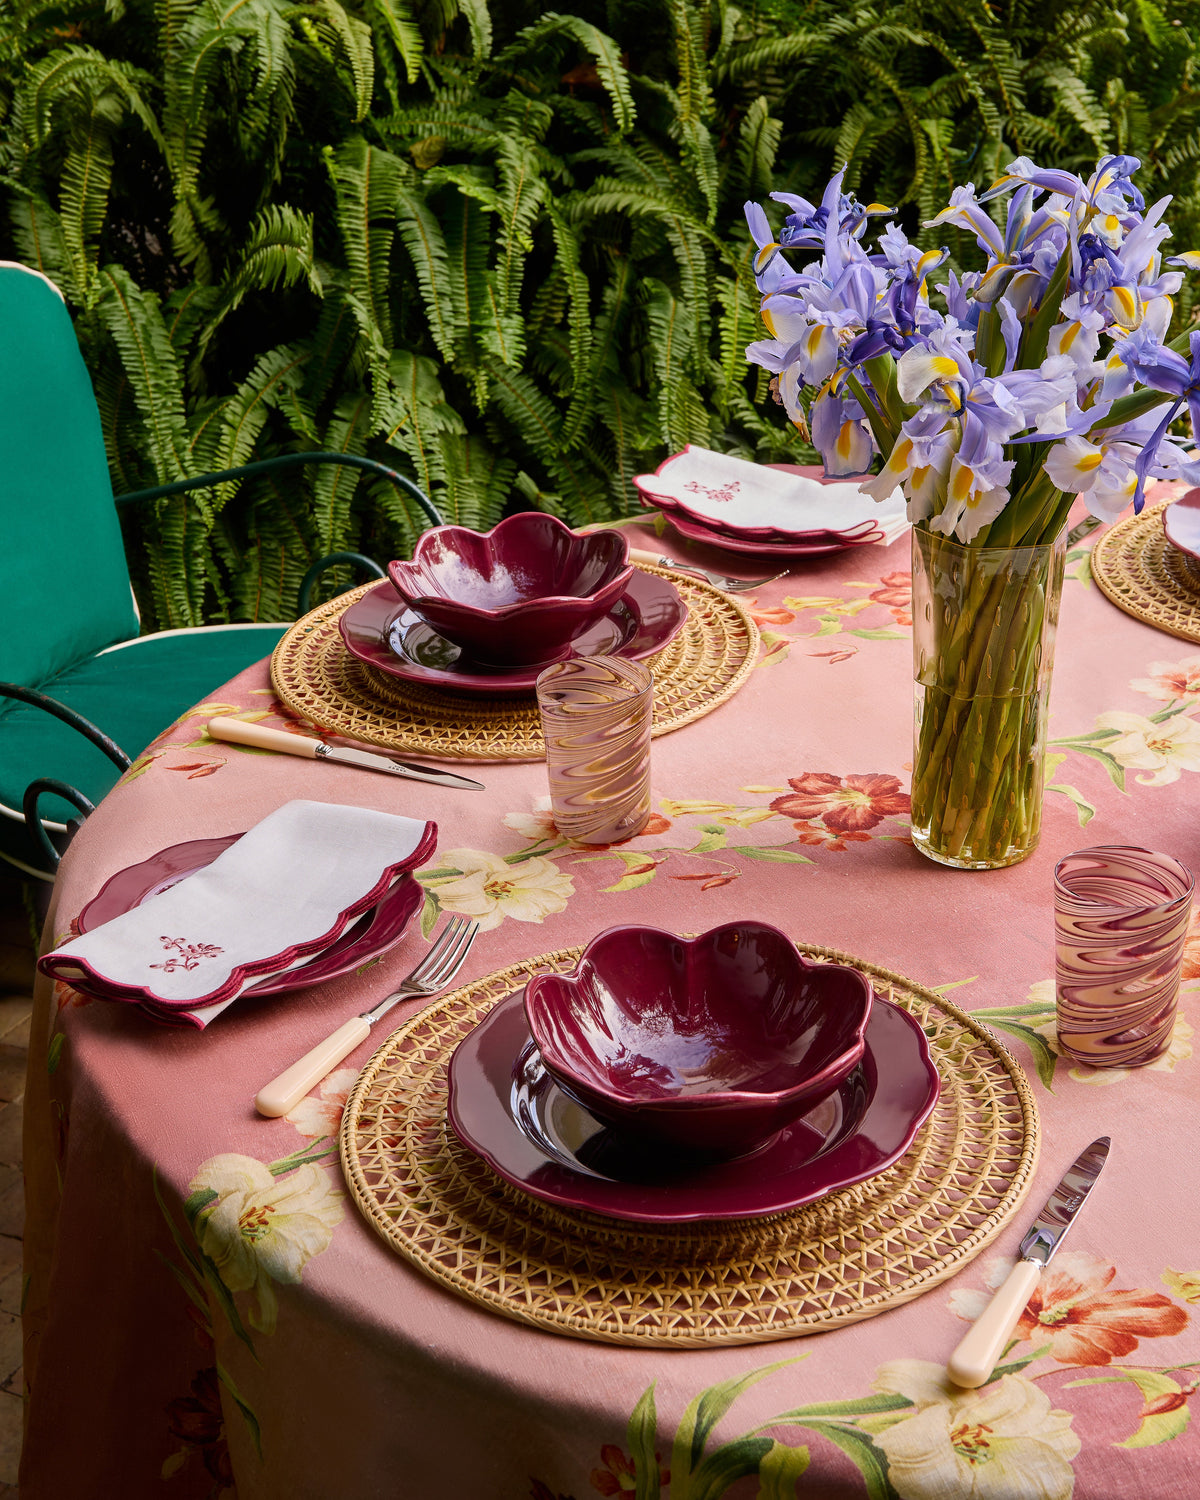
{"points": [[1142, 573], [314, 676], [848, 1256]]}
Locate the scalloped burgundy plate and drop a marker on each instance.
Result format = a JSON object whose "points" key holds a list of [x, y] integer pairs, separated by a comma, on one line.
{"points": [[1181, 522], [372, 934], [382, 632], [697, 532], [505, 1108]]}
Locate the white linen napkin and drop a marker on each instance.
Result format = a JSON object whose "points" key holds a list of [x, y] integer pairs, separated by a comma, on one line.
{"points": [[282, 893], [733, 493]]}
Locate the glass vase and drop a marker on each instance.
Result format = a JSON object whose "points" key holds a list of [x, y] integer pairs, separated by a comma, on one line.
{"points": [[984, 621]]}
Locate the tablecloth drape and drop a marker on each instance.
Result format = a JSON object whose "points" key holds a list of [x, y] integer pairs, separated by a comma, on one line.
{"points": [[206, 1311]]}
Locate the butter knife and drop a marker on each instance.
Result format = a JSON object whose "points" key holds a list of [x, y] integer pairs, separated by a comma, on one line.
{"points": [[975, 1358], [260, 737]]}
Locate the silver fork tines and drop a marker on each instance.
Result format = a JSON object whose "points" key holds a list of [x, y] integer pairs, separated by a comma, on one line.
{"points": [[436, 969], [720, 580]]}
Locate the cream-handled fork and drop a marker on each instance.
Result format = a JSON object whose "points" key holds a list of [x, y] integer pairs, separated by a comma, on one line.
{"points": [[433, 973]]}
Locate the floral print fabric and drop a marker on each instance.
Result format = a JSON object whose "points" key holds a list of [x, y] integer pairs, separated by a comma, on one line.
{"points": [[218, 1319]]}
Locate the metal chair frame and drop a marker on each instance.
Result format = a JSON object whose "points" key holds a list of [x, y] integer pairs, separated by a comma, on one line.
{"points": [[36, 826]]}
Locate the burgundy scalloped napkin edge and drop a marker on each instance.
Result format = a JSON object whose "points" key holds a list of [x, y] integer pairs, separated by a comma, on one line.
{"points": [[273, 900]]}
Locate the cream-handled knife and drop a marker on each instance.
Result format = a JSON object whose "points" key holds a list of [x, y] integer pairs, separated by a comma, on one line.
{"points": [[975, 1358], [260, 737]]}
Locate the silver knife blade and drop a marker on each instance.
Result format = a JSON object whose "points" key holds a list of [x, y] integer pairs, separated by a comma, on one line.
{"points": [[1045, 1234], [372, 762]]}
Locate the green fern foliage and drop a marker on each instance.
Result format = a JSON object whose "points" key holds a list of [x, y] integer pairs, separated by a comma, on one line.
{"points": [[500, 249]]}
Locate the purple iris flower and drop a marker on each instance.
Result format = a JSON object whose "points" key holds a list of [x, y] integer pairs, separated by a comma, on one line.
{"points": [[1163, 370]]}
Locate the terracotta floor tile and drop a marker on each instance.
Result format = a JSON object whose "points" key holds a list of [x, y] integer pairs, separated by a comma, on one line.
{"points": [[12, 1417], [10, 1288], [10, 1259], [11, 1117], [15, 1010], [10, 1348], [12, 1201], [19, 1035], [12, 1071]]}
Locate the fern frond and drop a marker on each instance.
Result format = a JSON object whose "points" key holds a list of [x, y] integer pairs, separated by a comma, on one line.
{"points": [[369, 182], [604, 52], [38, 233], [478, 483], [426, 244], [424, 414], [278, 252], [479, 22], [272, 385], [135, 322], [754, 160], [335, 484], [580, 317], [395, 20], [352, 38], [689, 23]]}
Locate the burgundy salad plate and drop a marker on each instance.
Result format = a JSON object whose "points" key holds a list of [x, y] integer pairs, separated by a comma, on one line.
{"points": [[697, 531], [707, 1045], [372, 934], [1181, 522], [517, 595], [506, 1108], [384, 633]]}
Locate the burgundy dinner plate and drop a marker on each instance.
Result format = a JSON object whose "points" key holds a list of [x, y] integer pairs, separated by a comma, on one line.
{"points": [[372, 934], [384, 633], [505, 1107]]}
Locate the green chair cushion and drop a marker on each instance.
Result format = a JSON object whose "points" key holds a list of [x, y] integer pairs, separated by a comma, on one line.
{"points": [[132, 694], [63, 574]]}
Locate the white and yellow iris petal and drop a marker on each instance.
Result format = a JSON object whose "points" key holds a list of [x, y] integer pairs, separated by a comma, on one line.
{"points": [[894, 472], [1126, 305], [917, 369], [1072, 464]]}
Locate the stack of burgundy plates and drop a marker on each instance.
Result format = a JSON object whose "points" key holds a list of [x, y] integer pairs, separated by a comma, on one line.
{"points": [[776, 509]]}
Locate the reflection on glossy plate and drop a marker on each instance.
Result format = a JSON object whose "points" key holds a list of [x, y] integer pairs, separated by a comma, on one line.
{"points": [[372, 934], [709, 1044], [382, 632], [518, 594], [504, 1106]]}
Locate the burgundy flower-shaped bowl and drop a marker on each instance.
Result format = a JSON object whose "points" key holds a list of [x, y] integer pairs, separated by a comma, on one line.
{"points": [[516, 595], [708, 1046]]}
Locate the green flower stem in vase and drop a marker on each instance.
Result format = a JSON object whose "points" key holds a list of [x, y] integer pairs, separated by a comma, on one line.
{"points": [[984, 619]]}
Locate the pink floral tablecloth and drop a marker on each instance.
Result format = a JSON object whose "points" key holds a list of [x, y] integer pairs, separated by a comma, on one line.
{"points": [[207, 1313]]}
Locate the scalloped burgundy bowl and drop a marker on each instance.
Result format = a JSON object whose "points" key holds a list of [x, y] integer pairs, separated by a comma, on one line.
{"points": [[516, 595], [709, 1045]]}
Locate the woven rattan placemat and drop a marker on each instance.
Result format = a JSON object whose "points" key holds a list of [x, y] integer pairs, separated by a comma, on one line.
{"points": [[315, 677], [846, 1257], [1142, 573]]}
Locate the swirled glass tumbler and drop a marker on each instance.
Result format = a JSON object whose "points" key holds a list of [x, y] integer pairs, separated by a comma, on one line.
{"points": [[1120, 921], [596, 714]]}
